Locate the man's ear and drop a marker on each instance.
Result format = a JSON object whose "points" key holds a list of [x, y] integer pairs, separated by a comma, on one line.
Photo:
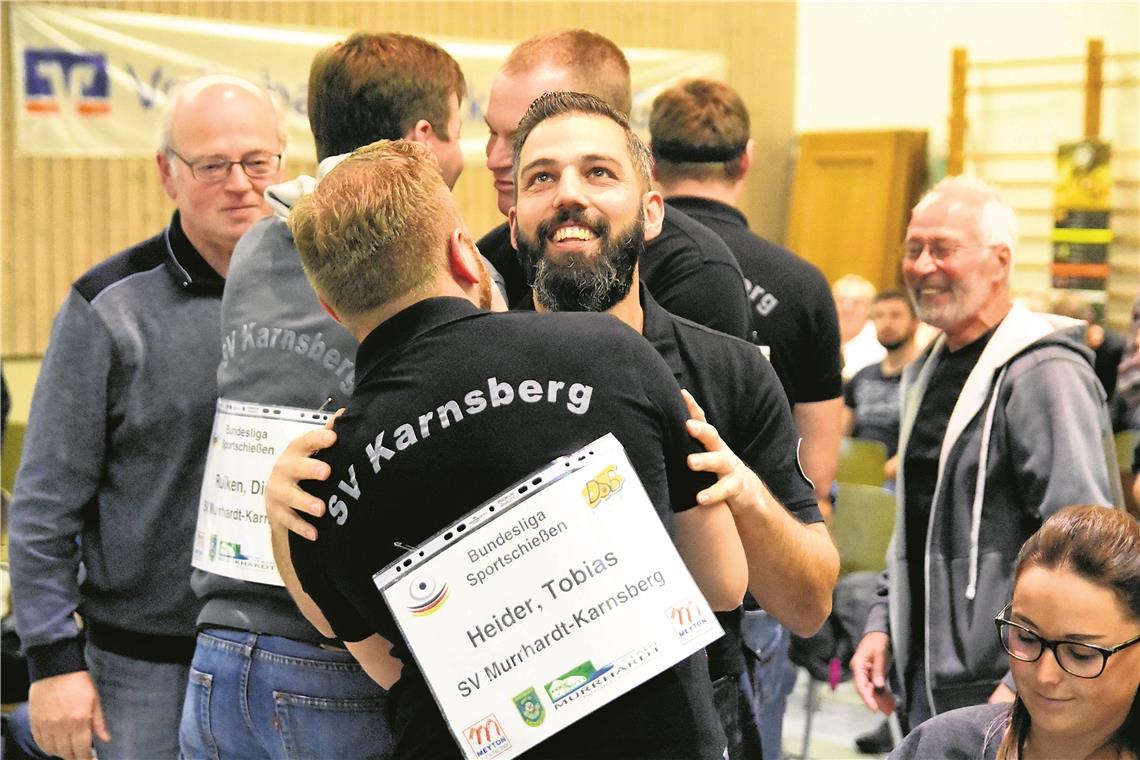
{"points": [[512, 222], [421, 132], [653, 206], [329, 309], [746, 158], [165, 173], [463, 257], [1005, 260]]}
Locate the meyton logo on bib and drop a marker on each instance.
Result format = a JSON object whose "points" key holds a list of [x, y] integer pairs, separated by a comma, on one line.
{"points": [[487, 738], [604, 485], [428, 595]]}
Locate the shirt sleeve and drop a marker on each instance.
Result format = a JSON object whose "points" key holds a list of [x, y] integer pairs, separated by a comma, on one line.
{"points": [[711, 295], [1057, 420], [825, 374], [772, 450], [56, 486]]}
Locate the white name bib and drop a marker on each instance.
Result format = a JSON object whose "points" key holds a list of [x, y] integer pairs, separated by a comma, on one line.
{"points": [[544, 604], [232, 537]]}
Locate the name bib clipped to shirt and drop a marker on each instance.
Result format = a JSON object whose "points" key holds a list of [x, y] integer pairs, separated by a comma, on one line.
{"points": [[549, 601], [232, 537]]}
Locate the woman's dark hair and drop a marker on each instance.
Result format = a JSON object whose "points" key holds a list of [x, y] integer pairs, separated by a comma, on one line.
{"points": [[1102, 546]]}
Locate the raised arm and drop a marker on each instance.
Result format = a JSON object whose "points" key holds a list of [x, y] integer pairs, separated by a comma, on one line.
{"points": [[792, 567]]}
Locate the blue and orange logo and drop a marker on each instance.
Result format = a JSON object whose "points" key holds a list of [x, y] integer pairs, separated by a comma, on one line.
{"points": [[427, 596], [54, 78]]}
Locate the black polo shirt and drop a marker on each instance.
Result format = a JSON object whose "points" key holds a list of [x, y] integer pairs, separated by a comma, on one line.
{"points": [[742, 398], [793, 311], [688, 269], [431, 401]]}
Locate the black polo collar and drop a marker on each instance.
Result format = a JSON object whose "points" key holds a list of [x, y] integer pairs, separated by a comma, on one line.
{"points": [[695, 206], [659, 328], [396, 332], [184, 262]]}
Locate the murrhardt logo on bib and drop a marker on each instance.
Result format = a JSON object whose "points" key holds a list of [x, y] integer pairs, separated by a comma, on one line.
{"points": [[604, 485], [530, 708], [428, 595], [568, 683], [486, 737]]}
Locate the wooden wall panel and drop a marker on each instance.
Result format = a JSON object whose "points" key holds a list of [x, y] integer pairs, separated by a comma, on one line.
{"points": [[60, 216]]}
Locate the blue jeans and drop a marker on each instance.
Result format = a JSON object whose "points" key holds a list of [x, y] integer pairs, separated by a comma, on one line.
{"points": [[255, 696], [142, 704], [772, 675]]}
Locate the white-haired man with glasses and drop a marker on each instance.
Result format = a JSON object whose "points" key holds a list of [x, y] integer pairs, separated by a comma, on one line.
{"points": [[117, 438], [1003, 422]]}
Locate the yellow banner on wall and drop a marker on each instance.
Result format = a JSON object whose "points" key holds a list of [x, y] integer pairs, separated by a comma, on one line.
{"points": [[92, 82]]}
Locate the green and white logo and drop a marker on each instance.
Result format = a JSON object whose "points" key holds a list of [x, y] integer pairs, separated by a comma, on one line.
{"points": [[530, 707]]}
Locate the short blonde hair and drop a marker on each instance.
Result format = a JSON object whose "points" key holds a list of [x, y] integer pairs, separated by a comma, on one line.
{"points": [[376, 227], [596, 64]]}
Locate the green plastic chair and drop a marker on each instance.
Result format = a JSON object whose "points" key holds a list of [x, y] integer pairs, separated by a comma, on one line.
{"points": [[861, 526], [10, 454], [1125, 446], [861, 461]]}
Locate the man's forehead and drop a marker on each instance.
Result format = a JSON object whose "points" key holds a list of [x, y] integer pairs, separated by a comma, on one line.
{"points": [[575, 136], [950, 212]]}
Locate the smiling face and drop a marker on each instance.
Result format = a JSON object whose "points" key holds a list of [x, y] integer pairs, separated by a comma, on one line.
{"points": [[951, 291], [582, 212], [1060, 604], [511, 95]]}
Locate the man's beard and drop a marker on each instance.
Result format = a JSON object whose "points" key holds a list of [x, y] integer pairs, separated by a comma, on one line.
{"points": [[582, 281], [895, 345]]}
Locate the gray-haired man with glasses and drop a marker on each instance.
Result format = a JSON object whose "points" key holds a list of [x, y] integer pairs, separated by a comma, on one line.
{"points": [[116, 443], [1003, 422]]}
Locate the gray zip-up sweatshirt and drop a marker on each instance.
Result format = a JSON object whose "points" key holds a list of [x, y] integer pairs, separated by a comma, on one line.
{"points": [[113, 459], [1029, 435], [278, 347]]}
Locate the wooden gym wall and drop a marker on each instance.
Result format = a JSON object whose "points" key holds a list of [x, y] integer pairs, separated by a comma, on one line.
{"points": [[61, 216]]}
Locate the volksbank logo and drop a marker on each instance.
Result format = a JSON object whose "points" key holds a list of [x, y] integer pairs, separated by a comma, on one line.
{"points": [[428, 595], [486, 737], [603, 485], [55, 79]]}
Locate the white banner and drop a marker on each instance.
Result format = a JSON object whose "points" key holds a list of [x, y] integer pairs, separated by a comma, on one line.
{"points": [[91, 82], [538, 608], [232, 536]]}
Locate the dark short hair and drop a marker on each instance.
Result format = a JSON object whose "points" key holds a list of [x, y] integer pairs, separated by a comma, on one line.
{"points": [[699, 130], [596, 65], [376, 87], [901, 295], [552, 104]]}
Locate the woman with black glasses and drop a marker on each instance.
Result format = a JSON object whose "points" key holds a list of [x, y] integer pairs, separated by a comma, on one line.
{"points": [[1071, 631]]}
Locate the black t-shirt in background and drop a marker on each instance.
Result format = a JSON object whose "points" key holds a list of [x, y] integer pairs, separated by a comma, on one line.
{"points": [[874, 399], [573, 378], [792, 309], [921, 467]]}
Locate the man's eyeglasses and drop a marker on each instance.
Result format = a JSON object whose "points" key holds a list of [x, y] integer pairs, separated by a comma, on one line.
{"points": [[212, 169], [1075, 657], [939, 249]]}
